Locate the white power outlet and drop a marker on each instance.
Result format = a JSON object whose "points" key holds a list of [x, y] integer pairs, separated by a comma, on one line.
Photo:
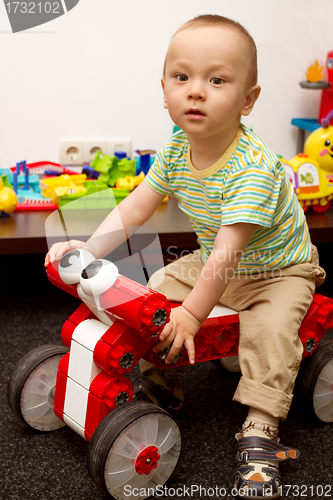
{"points": [[79, 151], [71, 151], [119, 145], [91, 146]]}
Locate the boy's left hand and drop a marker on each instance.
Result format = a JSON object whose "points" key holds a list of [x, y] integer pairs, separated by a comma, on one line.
{"points": [[181, 329]]}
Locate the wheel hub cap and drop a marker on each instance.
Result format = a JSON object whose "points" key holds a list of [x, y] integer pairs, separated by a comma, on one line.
{"points": [[147, 460]]}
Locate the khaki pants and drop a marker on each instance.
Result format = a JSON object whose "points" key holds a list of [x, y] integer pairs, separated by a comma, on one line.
{"points": [[271, 309]]}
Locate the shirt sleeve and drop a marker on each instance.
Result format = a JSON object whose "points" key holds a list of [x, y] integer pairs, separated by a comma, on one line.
{"points": [[250, 195], [157, 177]]}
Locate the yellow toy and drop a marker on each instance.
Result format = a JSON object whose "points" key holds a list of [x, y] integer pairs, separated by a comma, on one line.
{"points": [[130, 182], [8, 199], [55, 187], [313, 170]]}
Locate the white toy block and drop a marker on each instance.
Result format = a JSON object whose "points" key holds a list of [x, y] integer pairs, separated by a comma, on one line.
{"points": [[76, 402], [71, 151], [73, 425], [119, 145], [89, 332], [82, 368], [91, 146]]}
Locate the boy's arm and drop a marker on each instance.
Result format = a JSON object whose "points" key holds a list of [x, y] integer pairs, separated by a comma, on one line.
{"points": [[121, 223], [231, 241]]}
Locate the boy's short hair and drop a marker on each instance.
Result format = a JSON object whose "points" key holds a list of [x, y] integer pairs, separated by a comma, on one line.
{"points": [[217, 20]]}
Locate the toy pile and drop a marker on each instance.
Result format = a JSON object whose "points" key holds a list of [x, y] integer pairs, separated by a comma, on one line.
{"points": [[47, 185]]}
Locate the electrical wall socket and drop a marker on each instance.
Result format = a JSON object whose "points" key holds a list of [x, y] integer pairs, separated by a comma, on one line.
{"points": [[71, 151], [91, 146], [119, 145], [79, 151]]}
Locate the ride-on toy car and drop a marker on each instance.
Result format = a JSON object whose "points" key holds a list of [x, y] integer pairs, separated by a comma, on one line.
{"points": [[83, 384]]}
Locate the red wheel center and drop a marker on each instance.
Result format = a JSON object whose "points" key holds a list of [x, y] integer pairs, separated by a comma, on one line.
{"points": [[147, 460]]}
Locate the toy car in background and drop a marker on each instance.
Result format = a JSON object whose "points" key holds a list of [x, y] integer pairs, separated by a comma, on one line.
{"points": [[134, 444], [311, 172]]}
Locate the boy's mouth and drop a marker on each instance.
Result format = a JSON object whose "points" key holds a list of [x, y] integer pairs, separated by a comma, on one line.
{"points": [[194, 112]]}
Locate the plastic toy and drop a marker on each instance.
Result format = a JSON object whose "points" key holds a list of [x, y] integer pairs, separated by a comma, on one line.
{"points": [[54, 187], [83, 384], [129, 182], [145, 160], [327, 94], [112, 168], [99, 200], [8, 198], [90, 172], [31, 199], [311, 172], [314, 75]]}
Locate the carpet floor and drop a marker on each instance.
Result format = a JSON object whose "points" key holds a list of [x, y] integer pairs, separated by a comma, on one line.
{"points": [[52, 466]]}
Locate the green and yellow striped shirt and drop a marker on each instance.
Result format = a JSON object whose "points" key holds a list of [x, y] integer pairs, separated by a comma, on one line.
{"points": [[247, 184]]}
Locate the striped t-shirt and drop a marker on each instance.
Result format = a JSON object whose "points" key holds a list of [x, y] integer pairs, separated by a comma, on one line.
{"points": [[247, 184]]}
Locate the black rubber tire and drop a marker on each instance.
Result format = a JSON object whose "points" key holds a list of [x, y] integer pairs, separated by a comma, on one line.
{"points": [[111, 427], [21, 373], [310, 372]]}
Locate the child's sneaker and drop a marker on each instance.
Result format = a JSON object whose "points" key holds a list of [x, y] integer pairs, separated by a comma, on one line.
{"points": [[258, 474]]}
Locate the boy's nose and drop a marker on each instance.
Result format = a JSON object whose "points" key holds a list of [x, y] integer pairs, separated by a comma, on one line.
{"points": [[196, 91]]}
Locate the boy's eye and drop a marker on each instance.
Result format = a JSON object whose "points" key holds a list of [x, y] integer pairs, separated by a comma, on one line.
{"points": [[182, 78], [216, 80]]}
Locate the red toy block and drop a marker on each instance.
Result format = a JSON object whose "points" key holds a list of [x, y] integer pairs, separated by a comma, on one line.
{"points": [[106, 392], [60, 392], [317, 321], [138, 315]]}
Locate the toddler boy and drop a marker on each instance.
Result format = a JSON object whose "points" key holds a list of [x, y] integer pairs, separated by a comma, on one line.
{"points": [[255, 252]]}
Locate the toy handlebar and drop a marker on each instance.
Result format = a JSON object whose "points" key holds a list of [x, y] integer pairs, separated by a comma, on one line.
{"points": [[141, 308]]}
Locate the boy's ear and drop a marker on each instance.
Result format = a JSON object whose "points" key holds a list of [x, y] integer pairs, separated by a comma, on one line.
{"points": [[252, 96], [163, 87]]}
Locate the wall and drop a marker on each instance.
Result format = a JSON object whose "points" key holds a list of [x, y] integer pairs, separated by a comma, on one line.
{"points": [[95, 72]]}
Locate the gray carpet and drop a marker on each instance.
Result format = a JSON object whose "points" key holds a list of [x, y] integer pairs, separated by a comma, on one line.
{"points": [[52, 466]]}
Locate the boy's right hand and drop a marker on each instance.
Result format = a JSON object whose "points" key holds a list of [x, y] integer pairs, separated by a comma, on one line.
{"points": [[57, 250]]}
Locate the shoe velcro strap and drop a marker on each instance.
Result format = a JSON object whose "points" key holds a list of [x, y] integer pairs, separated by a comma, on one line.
{"points": [[266, 450]]}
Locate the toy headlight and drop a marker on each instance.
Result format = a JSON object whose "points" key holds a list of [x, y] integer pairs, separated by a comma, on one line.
{"points": [[72, 264], [98, 277]]}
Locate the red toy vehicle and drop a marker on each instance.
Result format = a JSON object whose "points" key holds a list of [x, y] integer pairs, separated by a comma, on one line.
{"points": [[135, 445]]}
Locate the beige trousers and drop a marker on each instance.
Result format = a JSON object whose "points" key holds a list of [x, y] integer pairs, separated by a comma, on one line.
{"points": [[271, 308]]}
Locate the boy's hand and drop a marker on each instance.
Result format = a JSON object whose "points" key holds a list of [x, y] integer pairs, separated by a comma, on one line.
{"points": [[58, 249], [181, 329]]}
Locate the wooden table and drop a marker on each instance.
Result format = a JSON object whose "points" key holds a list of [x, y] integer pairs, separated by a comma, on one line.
{"points": [[24, 232], [23, 235]]}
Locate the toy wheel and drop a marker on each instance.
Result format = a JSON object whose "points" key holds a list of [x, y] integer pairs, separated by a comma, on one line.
{"points": [[319, 209], [315, 391], [134, 450], [31, 387]]}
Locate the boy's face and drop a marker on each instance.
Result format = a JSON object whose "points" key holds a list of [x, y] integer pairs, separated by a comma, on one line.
{"points": [[206, 81]]}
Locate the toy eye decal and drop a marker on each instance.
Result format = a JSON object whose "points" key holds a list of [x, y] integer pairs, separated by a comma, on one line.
{"points": [[92, 269], [72, 264], [98, 277], [327, 143]]}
